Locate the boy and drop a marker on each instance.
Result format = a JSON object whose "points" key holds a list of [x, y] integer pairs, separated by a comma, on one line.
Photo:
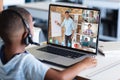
{"points": [[18, 64]]}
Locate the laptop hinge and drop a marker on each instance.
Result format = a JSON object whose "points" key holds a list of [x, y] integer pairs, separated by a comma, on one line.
{"points": [[66, 49]]}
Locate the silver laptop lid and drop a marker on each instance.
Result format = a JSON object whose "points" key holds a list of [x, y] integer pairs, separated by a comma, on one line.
{"points": [[73, 28]]}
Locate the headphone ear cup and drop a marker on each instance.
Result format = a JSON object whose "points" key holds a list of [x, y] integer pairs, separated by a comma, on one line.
{"points": [[26, 40]]}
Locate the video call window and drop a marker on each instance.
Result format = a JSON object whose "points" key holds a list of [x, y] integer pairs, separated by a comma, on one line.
{"points": [[73, 28]]}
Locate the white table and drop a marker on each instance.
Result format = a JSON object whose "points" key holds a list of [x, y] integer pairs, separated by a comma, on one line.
{"points": [[108, 68]]}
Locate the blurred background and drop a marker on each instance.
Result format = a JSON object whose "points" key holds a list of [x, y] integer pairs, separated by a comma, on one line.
{"points": [[110, 14]]}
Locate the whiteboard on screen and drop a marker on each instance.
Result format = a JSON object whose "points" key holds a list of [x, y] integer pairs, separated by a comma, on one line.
{"points": [[55, 29]]}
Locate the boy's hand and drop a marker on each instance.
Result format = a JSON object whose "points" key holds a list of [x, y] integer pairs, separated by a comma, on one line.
{"points": [[89, 62], [71, 72]]}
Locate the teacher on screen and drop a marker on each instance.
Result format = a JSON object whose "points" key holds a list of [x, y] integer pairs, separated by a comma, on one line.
{"points": [[68, 24]]}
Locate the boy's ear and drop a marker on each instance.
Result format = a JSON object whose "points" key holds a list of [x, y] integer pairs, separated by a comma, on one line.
{"points": [[24, 37]]}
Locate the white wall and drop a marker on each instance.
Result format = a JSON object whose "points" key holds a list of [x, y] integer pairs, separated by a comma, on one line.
{"points": [[13, 2]]}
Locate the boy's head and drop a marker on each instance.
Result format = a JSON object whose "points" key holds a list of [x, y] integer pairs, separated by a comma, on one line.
{"points": [[12, 28]]}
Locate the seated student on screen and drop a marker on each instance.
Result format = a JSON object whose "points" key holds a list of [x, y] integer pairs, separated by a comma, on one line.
{"points": [[91, 17], [88, 31], [18, 64], [85, 43]]}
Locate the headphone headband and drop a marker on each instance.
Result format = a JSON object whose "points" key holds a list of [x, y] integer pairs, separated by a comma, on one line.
{"points": [[28, 40], [23, 20]]}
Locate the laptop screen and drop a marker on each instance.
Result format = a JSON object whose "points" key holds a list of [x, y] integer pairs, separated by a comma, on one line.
{"points": [[73, 27]]}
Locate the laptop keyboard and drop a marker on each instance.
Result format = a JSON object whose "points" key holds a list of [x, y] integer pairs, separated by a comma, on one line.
{"points": [[61, 52]]}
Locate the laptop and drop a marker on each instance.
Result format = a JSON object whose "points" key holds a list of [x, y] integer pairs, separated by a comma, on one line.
{"points": [[72, 35]]}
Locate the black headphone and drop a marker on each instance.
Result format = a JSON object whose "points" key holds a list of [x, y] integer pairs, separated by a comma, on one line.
{"points": [[28, 39]]}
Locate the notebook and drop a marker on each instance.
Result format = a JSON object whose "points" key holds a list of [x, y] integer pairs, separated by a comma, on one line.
{"points": [[72, 35], [109, 49]]}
